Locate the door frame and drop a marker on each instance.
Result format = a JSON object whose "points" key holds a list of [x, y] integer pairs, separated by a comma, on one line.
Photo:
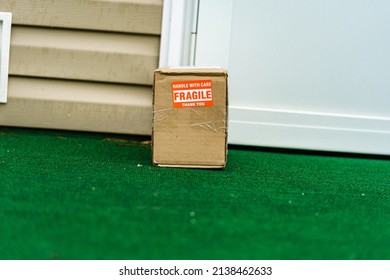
{"points": [[5, 37]]}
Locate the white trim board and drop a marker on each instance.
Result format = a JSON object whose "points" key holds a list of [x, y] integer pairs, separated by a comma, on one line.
{"points": [[5, 35], [178, 32], [309, 130], [182, 45]]}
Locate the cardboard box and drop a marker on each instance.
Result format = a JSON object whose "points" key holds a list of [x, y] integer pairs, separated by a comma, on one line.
{"points": [[190, 108]]}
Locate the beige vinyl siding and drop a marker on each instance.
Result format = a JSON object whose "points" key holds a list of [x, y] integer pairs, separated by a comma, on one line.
{"points": [[81, 55], [82, 65], [75, 105], [130, 16]]}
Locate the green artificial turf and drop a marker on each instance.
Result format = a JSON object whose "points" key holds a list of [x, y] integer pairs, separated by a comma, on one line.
{"points": [[73, 195]]}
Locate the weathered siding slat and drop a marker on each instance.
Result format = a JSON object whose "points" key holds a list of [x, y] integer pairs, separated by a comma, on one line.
{"points": [[70, 105], [83, 55], [131, 16]]}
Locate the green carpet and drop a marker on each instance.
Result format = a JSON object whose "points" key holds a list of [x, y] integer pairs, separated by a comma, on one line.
{"points": [[73, 195]]}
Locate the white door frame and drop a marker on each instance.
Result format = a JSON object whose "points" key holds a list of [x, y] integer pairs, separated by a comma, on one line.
{"points": [[5, 34], [178, 34]]}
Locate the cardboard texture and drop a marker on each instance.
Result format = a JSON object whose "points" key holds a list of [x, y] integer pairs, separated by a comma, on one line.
{"points": [[190, 117]]}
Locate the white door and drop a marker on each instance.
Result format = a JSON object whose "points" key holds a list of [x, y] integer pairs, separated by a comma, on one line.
{"points": [[302, 74]]}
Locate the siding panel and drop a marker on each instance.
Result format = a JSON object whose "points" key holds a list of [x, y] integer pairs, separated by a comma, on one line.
{"points": [[93, 56], [70, 105], [82, 64], [131, 16]]}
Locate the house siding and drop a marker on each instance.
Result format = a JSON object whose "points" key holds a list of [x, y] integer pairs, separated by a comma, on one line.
{"points": [[82, 65]]}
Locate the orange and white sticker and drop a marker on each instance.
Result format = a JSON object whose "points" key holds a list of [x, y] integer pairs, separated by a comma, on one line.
{"points": [[195, 93]]}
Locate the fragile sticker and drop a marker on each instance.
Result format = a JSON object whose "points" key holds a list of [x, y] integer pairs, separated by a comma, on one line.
{"points": [[195, 93]]}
